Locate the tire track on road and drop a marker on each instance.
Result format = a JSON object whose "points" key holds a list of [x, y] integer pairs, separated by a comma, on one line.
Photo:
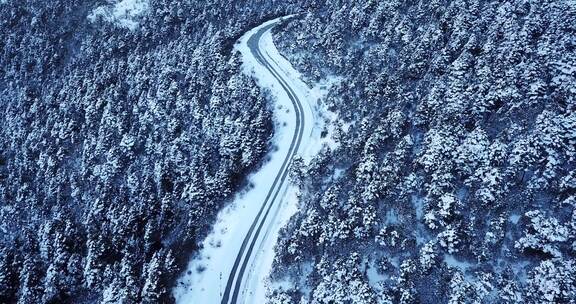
{"points": [[235, 278]]}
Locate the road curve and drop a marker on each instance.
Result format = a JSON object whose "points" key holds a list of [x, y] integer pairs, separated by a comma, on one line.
{"points": [[236, 276]]}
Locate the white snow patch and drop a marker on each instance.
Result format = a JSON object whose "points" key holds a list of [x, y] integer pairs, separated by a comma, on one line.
{"points": [[391, 217], [451, 261], [338, 173], [418, 203], [124, 13], [374, 278], [514, 218]]}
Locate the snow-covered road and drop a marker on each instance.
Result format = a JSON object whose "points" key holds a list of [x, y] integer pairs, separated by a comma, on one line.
{"points": [[235, 259]]}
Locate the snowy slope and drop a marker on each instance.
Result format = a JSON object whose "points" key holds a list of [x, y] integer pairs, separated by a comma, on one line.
{"points": [[124, 13]]}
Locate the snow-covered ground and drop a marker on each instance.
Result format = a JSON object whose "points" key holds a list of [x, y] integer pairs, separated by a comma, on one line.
{"points": [[123, 13], [208, 272]]}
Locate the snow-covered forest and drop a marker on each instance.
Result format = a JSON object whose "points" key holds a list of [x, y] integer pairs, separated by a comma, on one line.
{"points": [[126, 125], [118, 144], [454, 180]]}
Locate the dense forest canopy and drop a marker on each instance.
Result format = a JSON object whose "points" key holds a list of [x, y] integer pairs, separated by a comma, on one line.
{"points": [[119, 141], [126, 125], [455, 177]]}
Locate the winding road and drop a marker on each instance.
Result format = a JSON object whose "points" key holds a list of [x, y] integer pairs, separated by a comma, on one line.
{"points": [[236, 276], [231, 271]]}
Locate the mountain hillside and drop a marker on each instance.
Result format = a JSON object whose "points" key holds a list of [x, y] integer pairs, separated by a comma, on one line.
{"points": [[454, 180], [125, 126]]}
